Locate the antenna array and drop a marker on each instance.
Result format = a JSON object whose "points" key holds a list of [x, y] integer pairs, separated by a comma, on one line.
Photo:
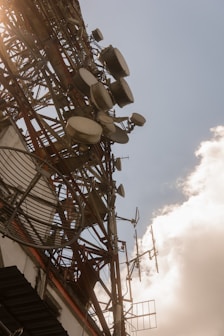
{"points": [[58, 94]]}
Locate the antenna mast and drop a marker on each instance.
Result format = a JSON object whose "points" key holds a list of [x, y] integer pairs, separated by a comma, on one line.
{"points": [[141, 314], [58, 125]]}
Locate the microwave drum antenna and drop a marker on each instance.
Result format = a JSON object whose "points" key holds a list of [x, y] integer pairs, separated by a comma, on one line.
{"points": [[121, 92], [97, 35], [83, 80], [84, 130], [115, 62], [100, 97], [137, 119], [119, 136]]}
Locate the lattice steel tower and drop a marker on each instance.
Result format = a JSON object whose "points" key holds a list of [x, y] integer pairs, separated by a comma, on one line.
{"points": [[58, 91]]}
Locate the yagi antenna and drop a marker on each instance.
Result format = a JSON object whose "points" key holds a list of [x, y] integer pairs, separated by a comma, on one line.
{"points": [[133, 221], [136, 262]]}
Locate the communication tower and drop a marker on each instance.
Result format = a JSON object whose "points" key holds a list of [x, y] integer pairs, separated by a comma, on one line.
{"points": [[58, 94]]}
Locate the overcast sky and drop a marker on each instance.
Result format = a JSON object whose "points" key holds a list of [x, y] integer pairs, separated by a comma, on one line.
{"points": [[189, 287], [175, 52]]}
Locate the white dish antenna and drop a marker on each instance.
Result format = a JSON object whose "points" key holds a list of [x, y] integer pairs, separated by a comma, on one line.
{"points": [[137, 119], [83, 130], [119, 136], [97, 35], [121, 92], [114, 62], [106, 122], [83, 80], [100, 97]]}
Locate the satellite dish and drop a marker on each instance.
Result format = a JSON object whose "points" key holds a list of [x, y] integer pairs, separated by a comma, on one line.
{"points": [[106, 122], [97, 35], [38, 207], [100, 97], [119, 136], [115, 62], [121, 92], [84, 130], [137, 119], [83, 80]]}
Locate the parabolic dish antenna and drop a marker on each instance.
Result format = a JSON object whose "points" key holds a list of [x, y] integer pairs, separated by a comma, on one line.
{"points": [[38, 207], [83, 80], [119, 136], [97, 35], [100, 97], [137, 119], [84, 130], [106, 121], [115, 62], [121, 92]]}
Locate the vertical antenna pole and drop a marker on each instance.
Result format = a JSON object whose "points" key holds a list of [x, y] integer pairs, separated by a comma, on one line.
{"points": [[116, 291]]}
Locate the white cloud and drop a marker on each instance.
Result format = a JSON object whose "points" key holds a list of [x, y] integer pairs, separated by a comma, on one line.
{"points": [[190, 239]]}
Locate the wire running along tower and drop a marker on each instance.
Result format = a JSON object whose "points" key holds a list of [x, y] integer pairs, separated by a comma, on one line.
{"points": [[57, 194]]}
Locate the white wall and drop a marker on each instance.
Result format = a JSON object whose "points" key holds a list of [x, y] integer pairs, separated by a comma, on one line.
{"points": [[14, 255]]}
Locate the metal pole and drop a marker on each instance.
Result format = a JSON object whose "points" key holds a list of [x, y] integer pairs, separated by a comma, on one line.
{"points": [[117, 299]]}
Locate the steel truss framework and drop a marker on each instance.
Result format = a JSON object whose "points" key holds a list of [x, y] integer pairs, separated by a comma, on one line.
{"points": [[42, 45]]}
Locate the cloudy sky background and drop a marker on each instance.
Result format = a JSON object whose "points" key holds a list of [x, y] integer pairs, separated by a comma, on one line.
{"points": [[175, 169], [189, 287]]}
